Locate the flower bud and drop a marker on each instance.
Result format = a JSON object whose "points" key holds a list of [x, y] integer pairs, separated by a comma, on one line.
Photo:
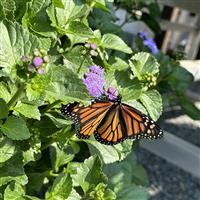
{"points": [[41, 71], [25, 59], [46, 58], [31, 68]]}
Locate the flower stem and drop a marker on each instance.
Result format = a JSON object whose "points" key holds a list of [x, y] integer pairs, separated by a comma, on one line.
{"points": [[16, 95], [78, 70]]}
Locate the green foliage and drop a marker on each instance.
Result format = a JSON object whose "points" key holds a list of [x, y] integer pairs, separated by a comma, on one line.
{"points": [[15, 128], [40, 156]]}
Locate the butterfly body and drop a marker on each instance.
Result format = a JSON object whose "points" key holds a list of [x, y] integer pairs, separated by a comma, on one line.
{"points": [[111, 121]]}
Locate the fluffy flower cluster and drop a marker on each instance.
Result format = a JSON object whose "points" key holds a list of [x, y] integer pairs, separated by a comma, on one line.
{"points": [[37, 63], [95, 83], [149, 42]]}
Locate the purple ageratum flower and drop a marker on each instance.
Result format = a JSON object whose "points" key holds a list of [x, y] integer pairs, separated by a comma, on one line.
{"points": [[37, 61], [112, 93], [94, 81], [97, 70], [149, 42]]}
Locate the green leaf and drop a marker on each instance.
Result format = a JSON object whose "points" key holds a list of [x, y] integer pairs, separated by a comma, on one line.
{"points": [[7, 149], [111, 41], [36, 89], [36, 18], [60, 156], [126, 178], [12, 169], [110, 154], [66, 85], [3, 109], [36, 181], [66, 12], [132, 192], [88, 174], [101, 192], [74, 195], [15, 42], [15, 128], [14, 191], [142, 63], [58, 122], [77, 60], [2, 12], [8, 8], [34, 152], [101, 5], [180, 79], [62, 187], [58, 3], [152, 102], [20, 9], [4, 91], [28, 110], [46, 126], [189, 107], [80, 29], [131, 88], [119, 64]]}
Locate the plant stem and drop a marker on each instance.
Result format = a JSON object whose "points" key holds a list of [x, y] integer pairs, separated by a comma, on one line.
{"points": [[51, 173], [16, 95], [78, 70], [50, 106]]}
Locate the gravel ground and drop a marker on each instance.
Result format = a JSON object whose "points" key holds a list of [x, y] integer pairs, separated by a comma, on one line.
{"points": [[167, 182]]}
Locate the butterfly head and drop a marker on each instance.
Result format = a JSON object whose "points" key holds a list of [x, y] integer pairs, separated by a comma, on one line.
{"points": [[117, 100]]}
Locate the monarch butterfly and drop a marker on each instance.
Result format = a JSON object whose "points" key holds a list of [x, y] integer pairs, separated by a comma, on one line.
{"points": [[111, 121]]}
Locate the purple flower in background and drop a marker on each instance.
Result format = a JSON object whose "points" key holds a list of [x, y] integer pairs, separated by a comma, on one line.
{"points": [[143, 35], [149, 42], [37, 61], [95, 81], [112, 93]]}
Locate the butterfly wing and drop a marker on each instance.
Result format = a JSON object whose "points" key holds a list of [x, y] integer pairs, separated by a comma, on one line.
{"points": [[86, 119], [139, 125], [123, 121]]}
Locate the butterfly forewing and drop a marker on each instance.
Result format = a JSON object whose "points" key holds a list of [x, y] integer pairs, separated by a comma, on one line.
{"points": [[87, 118]]}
